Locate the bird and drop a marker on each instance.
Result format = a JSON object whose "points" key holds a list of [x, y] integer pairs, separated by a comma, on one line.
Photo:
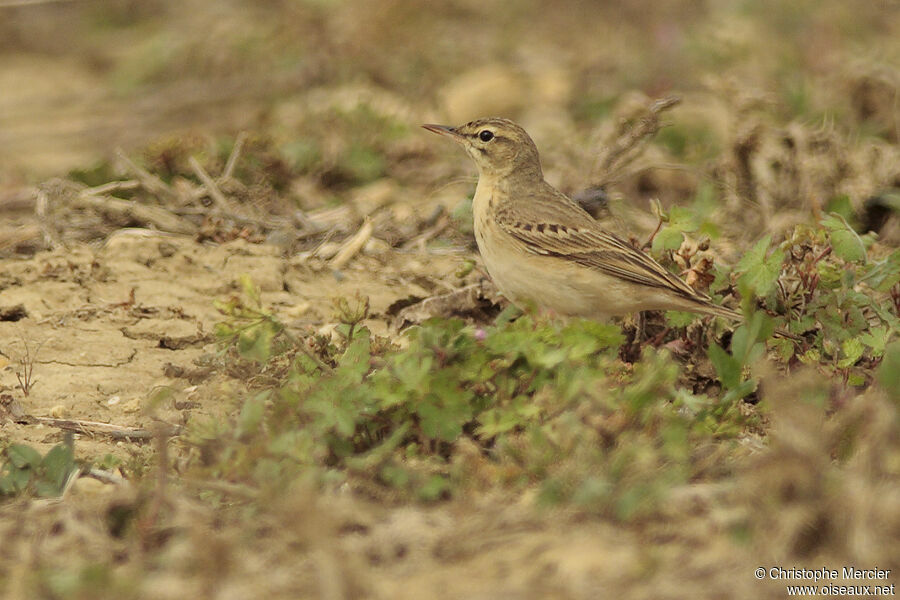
{"points": [[543, 250]]}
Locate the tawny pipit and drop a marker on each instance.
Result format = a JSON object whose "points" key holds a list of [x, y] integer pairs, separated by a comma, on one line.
{"points": [[542, 248]]}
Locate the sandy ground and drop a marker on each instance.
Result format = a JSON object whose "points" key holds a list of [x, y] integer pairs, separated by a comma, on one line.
{"points": [[103, 323]]}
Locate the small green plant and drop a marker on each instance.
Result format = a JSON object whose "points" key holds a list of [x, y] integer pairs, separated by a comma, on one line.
{"points": [[109, 462], [820, 283], [747, 346], [544, 403], [250, 328], [255, 332], [350, 313], [842, 293], [26, 471]]}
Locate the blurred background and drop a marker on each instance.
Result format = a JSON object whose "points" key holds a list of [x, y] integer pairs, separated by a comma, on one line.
{"points": [[339, 86]]}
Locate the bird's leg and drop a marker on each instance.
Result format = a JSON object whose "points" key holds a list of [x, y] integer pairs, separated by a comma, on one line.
{"points": [[640, 325], [547, 313], [658, 338]]}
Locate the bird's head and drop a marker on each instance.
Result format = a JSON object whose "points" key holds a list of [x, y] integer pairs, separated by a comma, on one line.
{"points": [[498, 146]]}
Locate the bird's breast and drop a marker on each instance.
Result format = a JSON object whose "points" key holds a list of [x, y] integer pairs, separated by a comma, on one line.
{"points": [[521, 275]]}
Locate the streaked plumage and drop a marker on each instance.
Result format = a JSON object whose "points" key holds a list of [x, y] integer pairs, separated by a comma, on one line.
{"points": [[541, 247]]}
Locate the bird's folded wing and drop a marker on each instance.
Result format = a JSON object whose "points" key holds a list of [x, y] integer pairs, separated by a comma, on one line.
{"points": [[562, 230]]}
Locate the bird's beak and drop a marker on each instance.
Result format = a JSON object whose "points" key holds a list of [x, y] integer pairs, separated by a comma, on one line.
{"points": [[444, 130]]}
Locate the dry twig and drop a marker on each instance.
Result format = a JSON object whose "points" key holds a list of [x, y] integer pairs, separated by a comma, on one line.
{"points": [[353, 245], [212, 189], [27, 360], [16, 236], [118, 432], [270, 223], [154, 216], [106, 476], [112, 186], [469, 299], [151, 182], [235, 154], [52, 238]]}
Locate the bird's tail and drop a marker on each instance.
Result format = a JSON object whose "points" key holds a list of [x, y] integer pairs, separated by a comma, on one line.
{"points": [[733, 315]]}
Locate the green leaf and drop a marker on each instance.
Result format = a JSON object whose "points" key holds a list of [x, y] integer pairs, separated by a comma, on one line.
{"points": [[345, 420], [682, 218], [755, 256], [852, 349], [251, 415], [22, 456], [668, 238], [547, 357], [46, 489], [876, 339], [785, 348], [7, 487], [249, 288], [884, 274], [57, 465], [357, 355], [891, 200], [434, 488], [727, 368], [856, 379], [381, 453], [845, 242], [441, 421], [745, 343], [411, 370], [841, 205], [760, 273], [888, 373], [507, 315], [255, 343], [678, 318], [502, 419], [20, 478], [599, 336], [739, 391], [394, 476]]}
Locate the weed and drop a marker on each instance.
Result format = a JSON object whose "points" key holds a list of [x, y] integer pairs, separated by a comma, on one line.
{"points": [[547, 403], [26, 470], [25, 374], [544, 403]]}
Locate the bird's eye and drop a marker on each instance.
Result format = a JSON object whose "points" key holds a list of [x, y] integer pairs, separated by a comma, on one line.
{"points": [[486, 136]]}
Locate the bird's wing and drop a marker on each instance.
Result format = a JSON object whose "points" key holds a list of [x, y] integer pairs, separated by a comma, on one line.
{"points": [[546, 222]]}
